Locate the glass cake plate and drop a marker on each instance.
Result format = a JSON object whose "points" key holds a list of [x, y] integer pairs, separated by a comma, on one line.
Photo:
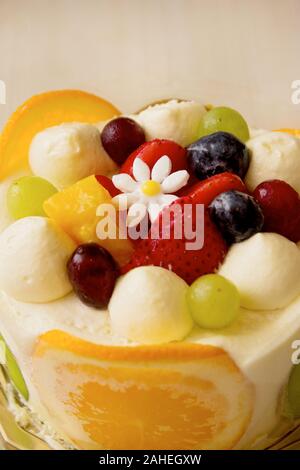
{"points": [[13, 436]]}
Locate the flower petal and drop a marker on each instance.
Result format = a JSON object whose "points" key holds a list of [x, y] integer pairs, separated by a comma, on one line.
{"points": [[124, 183], [167, 199], [153, 210], [161, 169], [175, 181], [140, 170], [125, 200], [136, 214]]}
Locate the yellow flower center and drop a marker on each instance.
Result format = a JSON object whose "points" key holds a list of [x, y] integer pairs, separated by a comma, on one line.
{"points": [[150, 188]]}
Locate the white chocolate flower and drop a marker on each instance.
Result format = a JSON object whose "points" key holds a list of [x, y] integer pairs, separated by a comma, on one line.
{"points": [[149, 191]]}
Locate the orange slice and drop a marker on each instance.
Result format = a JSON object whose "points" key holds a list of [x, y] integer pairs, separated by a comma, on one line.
{"points": [[42, 111], [173, 396], [295, 132]]}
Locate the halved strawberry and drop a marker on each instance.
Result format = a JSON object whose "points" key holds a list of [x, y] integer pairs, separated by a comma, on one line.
{"points": [[108, 185], [151, 151], [204, 192], [173, 254]]}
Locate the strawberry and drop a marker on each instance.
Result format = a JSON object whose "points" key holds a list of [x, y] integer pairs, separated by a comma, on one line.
{"points": [[108, 185], [171, 253], [204, 192], [151, 151], [280, 204]]}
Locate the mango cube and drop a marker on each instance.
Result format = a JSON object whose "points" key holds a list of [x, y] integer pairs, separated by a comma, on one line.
{"points": [[74, 210]]}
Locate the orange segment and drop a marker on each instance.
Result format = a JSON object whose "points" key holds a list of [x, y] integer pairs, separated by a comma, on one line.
{"points": [[174, 396], [295, 132], [74, 210], [42, 111]]}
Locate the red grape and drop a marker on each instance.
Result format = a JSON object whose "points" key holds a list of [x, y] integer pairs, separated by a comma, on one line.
{"points": [[93, 273], [120, 137], [280, 204]]}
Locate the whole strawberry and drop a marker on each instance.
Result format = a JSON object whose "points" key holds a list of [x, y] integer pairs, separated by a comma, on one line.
{"points": [[280, 204], [176, 254], [151, 151]]}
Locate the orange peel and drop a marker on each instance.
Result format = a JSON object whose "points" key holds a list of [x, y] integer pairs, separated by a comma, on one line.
{"points": [[295, 132]]}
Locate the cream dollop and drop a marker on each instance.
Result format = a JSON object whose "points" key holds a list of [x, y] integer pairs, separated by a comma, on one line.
{"points": [[274, 155], [149, 305], [174, 120], [265, 269], [33, 258], [66, 153]]}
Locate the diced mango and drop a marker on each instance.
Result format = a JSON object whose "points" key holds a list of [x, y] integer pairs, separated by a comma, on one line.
{"points": [[74, 210]]}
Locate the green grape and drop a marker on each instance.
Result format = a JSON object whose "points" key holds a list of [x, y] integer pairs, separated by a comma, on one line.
{"points": [[214, 301], [25, 196], [292, 397], [226, 120], [13, 371]]}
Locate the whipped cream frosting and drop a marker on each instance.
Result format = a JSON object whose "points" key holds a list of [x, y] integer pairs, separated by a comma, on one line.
{"points": [[274, 155], [67, 153]]}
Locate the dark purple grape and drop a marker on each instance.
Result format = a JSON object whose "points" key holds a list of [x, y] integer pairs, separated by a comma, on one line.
{"points": [[218, 153], [93, 273], [120, 137], [237, 215]]}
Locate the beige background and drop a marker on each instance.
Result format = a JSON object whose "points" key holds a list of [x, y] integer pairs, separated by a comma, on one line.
{"points": [[244, 53]]}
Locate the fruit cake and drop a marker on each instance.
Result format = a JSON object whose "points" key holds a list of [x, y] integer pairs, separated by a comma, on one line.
{"points": [[149, 275]]}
